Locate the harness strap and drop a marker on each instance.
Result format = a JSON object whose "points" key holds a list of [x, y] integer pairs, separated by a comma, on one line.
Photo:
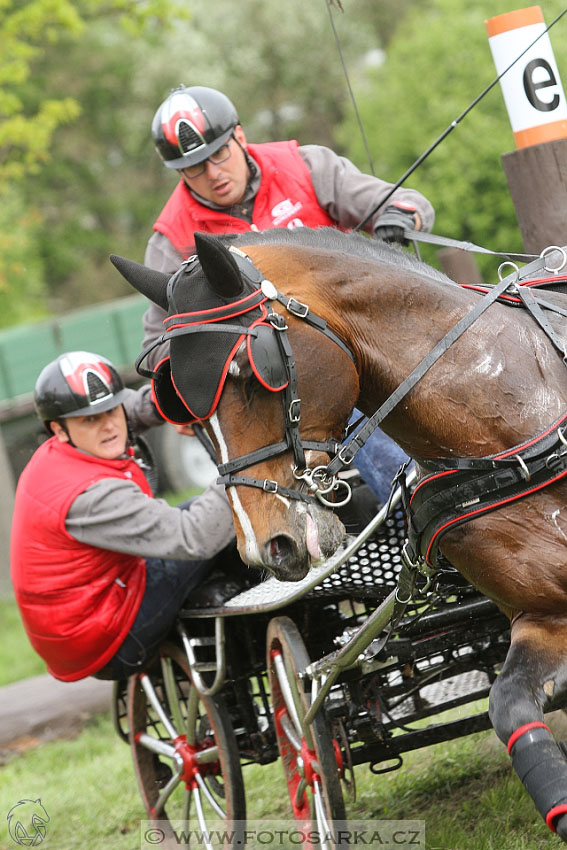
{"points": [[450, 497], [267, 485], [347, 453], [432, 239], [242, 330], [531, 304]]}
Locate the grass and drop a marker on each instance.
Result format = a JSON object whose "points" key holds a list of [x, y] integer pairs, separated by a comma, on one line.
{"points": [[465, 791]]}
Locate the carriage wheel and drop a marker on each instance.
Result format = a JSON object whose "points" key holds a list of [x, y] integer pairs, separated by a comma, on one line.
{"points": [[310, 757], [185, 753]]}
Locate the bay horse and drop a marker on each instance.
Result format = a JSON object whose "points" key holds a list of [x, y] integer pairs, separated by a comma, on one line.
{"points": [[496, 388]]}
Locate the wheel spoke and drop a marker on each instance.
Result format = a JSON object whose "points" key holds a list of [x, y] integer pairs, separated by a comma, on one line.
{"points": [[157, 706], [286, 691], [191, 727], [201, 819], [208, 755], [206, 791], [171, 691], [166, 793], [290, 733], [156, 745], [322, 822]]}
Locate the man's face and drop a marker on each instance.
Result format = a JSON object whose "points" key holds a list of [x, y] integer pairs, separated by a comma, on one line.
{"points": [[103, 435], [223, 184]]}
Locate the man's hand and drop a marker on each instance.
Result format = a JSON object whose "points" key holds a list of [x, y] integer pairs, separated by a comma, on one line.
{"points": [[394, 220], [187, 430]]}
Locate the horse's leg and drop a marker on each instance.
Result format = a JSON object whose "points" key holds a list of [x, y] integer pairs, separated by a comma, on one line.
{"points": [[534, 678]]}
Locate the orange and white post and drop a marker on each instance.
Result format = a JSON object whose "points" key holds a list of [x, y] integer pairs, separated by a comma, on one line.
{"points": [[532, 88]]}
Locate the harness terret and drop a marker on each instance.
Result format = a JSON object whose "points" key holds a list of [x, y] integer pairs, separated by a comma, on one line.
{"points": [[186, 396]]}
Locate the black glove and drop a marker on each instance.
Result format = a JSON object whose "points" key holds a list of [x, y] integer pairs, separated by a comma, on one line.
{"points": [[392, 223]]}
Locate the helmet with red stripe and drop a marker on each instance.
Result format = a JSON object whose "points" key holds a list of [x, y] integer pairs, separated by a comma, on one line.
{"points": [[191, 124], [77, 383]]}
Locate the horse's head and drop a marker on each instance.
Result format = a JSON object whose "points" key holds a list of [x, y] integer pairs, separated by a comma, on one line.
{"points": [[273, 392]]}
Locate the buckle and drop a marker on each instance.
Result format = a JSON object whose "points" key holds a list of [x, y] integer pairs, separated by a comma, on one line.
{"points": [[297, 308], [292, 415], [277, 321], [270, 486]]}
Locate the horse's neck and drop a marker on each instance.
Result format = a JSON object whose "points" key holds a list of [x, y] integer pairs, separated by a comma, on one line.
{"points": [[500, 382]]}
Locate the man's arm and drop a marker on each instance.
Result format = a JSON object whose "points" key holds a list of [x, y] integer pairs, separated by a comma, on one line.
{"points": [[348, 195], [163, 257], [114, 514]]}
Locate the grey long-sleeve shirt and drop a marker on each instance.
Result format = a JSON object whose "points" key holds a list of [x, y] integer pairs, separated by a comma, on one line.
{"points": [[115, 514], [342, 190]]}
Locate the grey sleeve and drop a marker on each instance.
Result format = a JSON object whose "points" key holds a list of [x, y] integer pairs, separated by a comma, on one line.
{"points": [[140, 410], [115, 514], [348, 195], [163, 257]]}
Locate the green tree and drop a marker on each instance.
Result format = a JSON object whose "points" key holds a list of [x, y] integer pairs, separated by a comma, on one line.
{"points": [[34, 107], [436, 64]]}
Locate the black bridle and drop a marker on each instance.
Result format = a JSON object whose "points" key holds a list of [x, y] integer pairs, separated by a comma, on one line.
{"points": [[318, 483]]}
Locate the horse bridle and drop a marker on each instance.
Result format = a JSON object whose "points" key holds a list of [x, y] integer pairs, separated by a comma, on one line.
{"points": [[318, 482]]}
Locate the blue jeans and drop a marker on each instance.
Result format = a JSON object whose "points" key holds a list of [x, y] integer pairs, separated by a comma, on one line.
{"points": [[378, 461], [168, 583]]}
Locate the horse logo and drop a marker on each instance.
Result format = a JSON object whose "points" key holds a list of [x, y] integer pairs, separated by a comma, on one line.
{"points": [[26, 823]]}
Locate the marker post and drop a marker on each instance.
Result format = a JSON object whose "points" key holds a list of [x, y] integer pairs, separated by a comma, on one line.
{"points": [[537, 170]]}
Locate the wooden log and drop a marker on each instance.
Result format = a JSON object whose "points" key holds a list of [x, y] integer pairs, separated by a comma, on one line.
{"points": [[537, 179]]}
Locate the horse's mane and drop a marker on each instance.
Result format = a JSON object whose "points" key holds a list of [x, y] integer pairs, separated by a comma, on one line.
{"points": [[331, 239]]}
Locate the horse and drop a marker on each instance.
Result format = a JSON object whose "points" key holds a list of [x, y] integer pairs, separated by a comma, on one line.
{"points": [[376, 312]]}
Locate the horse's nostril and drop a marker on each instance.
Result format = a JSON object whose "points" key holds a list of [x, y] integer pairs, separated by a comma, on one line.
{"points": [[281, 549]]}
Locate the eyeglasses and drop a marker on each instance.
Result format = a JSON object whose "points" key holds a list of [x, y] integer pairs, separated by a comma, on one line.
{"points": [[220, 155]]}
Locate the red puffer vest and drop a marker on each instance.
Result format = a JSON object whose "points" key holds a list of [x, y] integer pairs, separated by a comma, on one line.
{"points": [[286, 198], [77, 602]]}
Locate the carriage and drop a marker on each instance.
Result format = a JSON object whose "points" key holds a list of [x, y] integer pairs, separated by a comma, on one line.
{"points": [[240, 682], [403, 623]]}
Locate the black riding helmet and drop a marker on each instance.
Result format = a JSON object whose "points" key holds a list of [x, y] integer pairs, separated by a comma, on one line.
{"points": [[192, 123], [77, 383]]}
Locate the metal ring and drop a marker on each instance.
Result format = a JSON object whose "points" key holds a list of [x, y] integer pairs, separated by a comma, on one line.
{"points": [[548, 250], [523, 467], [561, 436], [320, 496], [508, 263]]}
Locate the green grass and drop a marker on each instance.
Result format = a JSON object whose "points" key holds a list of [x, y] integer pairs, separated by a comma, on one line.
{"points": [[465, 791]]}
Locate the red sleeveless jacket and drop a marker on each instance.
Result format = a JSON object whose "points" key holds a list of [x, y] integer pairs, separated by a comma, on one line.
{"points": [[286, 198], [77, 602]]}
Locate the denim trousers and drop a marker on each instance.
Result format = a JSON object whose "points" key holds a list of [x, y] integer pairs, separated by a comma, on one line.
{"points": [[378, 461], [168, 583]]}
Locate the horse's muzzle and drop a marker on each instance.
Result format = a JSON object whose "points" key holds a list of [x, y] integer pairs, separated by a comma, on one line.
{"points": [[311, 536]]}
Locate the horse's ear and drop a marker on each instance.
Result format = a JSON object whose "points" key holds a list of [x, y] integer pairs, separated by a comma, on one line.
{"points": [[219, 266], [150, 283]]}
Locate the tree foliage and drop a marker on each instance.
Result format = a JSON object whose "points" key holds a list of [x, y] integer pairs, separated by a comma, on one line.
{"points": [[38, 99], [80, 81], [437, 62]]}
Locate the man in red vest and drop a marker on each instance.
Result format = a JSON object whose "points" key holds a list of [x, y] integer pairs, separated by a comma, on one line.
{"points": [[229, 186], [100, 568]]}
